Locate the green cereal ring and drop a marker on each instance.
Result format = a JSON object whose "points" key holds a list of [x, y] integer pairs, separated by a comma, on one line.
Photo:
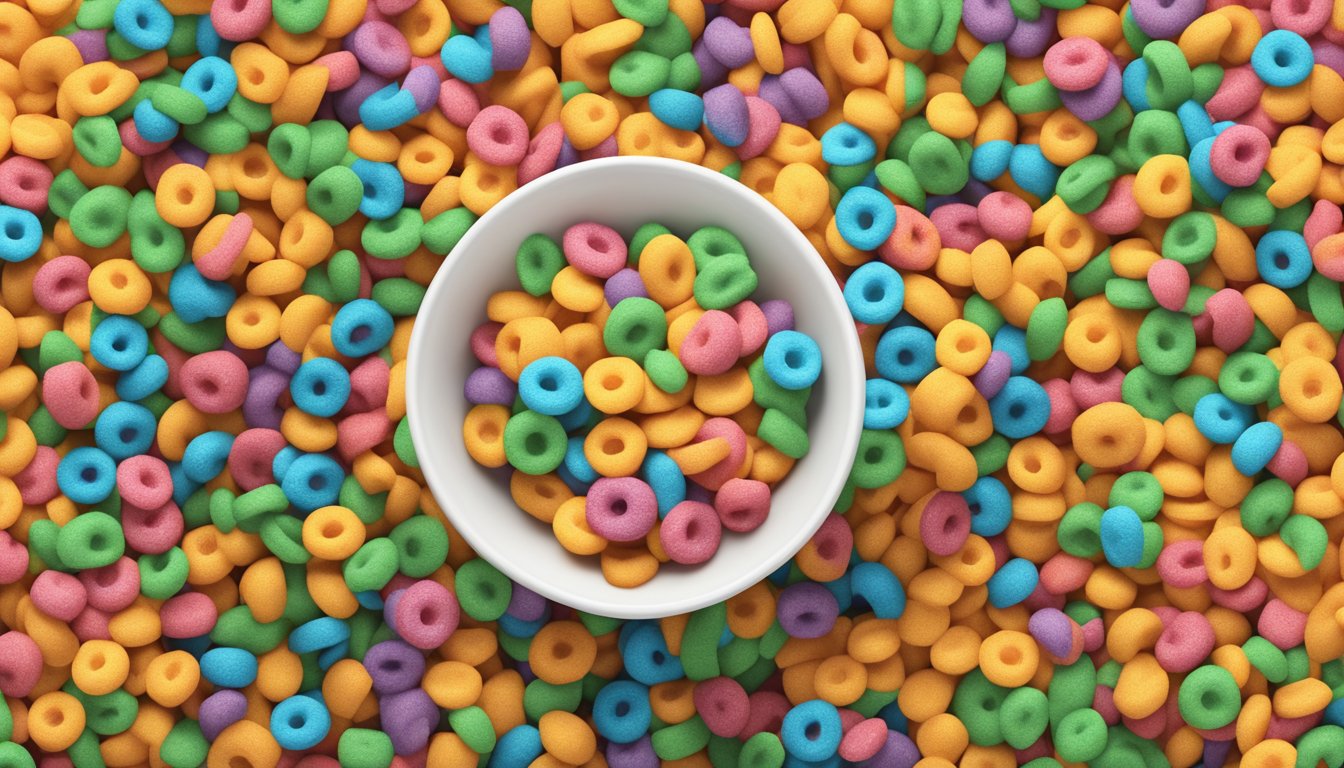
{"points": [[156, 245], [592, 685], [290, 145], [299, 17], [571, 88], [700, 642], [402, 445], [66, 190], [845, 177], [196, 510], [991, 455], [178, 103], [976, 704], [666, 371], [238, 629], [649, 13], [515, 648], [1166, 341], [1084, 185], [646, 232], [1325, 300], [226, 201], [979, 311], [163, 575], [1149, 393], [916, 22], [1170, 82], [938, 164], [669, 38], [120, 49], [1140, 491], [1028, 99], [300, 607], [635, 327], [774, 639], [639, 73], [898, 178], [400, 296], [1322, 744], [109, 714], [256, 118], [1152, 545], [1023, 717], [1108, 674], [55, 348], [783, 434], [1205, 80], [364, 627], [473, 725], [182, 42], [1209, 697], [218, 509], [1063, 5], [91, 540], [1266, 657], [368, 508], [364, 747], [1189, 389], [86, 751], [1137, 38], [422, 545], [343, 275], [99, 217], [184, 746], [335, 194], [283, 536], [723, 752], [540, 697], [395, 237], [1294, 217], [763, 750], [1045, 328], [906, 136], [947, 27], [1113, 123], [1079, 531], [441, 233], [45, 429], [6, 724], [372, 566], [1081, 735], [684, 74], [598, 626], [984, 75], [252, 508], [97, 140], [1248, 207], [1123, 293], [846, 498], [1307, 538], [42, 537], [1299, 665], [872, 701], [1155, 132], [193, 338], [739, 655], [329, 142], [880, 459], [218, 134], [534, 444], [96, 14], [1248, 377], [710, 243], [157, 403], [538, 260], [682, 740], [482, 590], [1190, 238], [1027, 10], [724, 281]]}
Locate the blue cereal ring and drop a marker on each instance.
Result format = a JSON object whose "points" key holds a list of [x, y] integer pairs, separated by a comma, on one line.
{"points": [[229, 667], [991, 506], [905, 354], [885, 404], [300, 722], [989, 161], [283, 459], [518, 747], [621, 711], [1282, 59], [144, 379], [1122, 537], [206, 456], [152, 124], [811, 731], [1021, 408], [466, 59], [1012, 341], [1028, 167], [865, 219], [146, 24], [313, 481], [677, 109], [195, 298], [320, 387], [1283, 259], [20, 234], [124, 430], [875, 292], [878, 586], [845, 144], [119, 342], [551, 386], [388, 108], [647, 658], [576, 462], [320, 633], [664, 476], [792, 360], [384, 189], [86, 475], [1222, 420], [1012, 583], [361, 328], [1255, 447], [212, 80]]}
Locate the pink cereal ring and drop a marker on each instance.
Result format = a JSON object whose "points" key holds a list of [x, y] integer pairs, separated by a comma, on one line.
{"points": [[499, 136], [751, 323], [1305, 17], [368, 385], [13, 559], [483, 343], [218, 262], [621, 508], [1325, 220], [543, 152], [958, 226], [426, 614], [833, 541], [1091, 389], [1063, 408], [190, 614], [1181, 564], [725, 470], [114, 586], [58, 595], [1169, 281], [152, 531], [251, 456], [1119, 212], [914, 243], [1064, 573], [61, 283], [135, 143], [1328, 256], [240, 20], [458, 102], [1185, 642], [37, 481], [742, 504], [1281, 624], [723, 704], [20, 664], [1236, 95], [1239, 155], [342, 69], [1289, 463], [215, 382], [25, 183], [945, 523], [690, 533], [1004, 216], [145, 482], [763, 122], [1076, 63], [713, 346], [1233, 320], [1243, 599], [92, 624], [71, 394], [765, 712], [594, 249], [865, 739], [361, 432]]}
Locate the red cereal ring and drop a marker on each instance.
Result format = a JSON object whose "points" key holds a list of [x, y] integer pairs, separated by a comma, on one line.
{"points": [[723, 704], [58, 595]]}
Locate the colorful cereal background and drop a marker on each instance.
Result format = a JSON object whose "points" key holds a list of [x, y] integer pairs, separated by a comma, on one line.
{"points": [[1095, 517]]}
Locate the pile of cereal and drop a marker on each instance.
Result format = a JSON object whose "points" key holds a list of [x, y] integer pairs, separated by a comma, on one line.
{"points": [[1116, 539], [677, 402]]}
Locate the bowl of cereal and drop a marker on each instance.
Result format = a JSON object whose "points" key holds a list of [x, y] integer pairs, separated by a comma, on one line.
{"points": [[634, 387]]}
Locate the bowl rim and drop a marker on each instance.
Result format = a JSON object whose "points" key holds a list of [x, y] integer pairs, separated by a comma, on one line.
{"points": [[848, 356]]}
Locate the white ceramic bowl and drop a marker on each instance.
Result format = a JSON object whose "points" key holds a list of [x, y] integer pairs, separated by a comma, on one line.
{"points": [[624, 193]]}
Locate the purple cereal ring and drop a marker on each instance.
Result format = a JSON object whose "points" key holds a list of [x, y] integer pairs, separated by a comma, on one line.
{"points": [[24, 183], [723, 471], [395, 666], [215, 382], [778, 316], [1169, 281], [71, 394], [690, 533], [422, 83], [1185, 642], [636, 754], [58, 595], [713, 346], [145, 482], [728, 43], [261, 405], [347, 101], [723, 704], [945, 523], [726, 114], [624, 285], [742, 504], [543, 153], [394, 7], [1058, 635], [1162, 19], [1239, 155], [605, 148], [408, 719], [993, 374], [426, 615], [806, 92], [380, 48], [712, 72], [498, 135], [1076, 63], [152, 531], [190, 614], [772, 91], [489, 386], [61, 283], [752, 324], [240, 20], [112, 587], [594, 249], [1098, 101], [621, 508], [989, 21], [92, 44], [763, 123], [1004, 216], [1030, 38], [526, 605], [510, 40], [807, 610], [220, 710]]}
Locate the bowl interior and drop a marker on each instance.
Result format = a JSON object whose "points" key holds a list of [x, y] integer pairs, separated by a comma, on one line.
{"points": [[624, 193]]}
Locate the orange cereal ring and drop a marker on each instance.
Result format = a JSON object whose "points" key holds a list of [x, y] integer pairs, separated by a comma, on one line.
{"points": [[185, 196], [562, 652], [55, 721], [615, 447], [614, 384], [100, 667], [1009, 658], [1108, 434], [483, 433]]}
